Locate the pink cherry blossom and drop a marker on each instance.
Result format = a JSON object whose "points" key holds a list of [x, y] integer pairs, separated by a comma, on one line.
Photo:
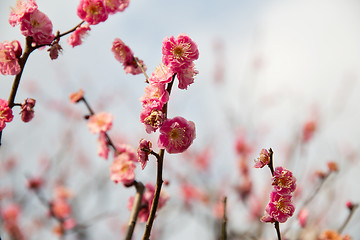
{"points": [[303, 217], [35, 183], [186, 76], [37, 25], [78, 35], [10, 52], [283, 181], [179, 53], [133, 68], [122, 169], [27, 110], [162, 74], [191, 193], [6, 114], [263, 160], [114, 6], [100, 122], [176, 135], [128, 150], [143, 152], [309, 129], [279, 209], [92, 11], [156, 91], [22, 8], [103, 146]]}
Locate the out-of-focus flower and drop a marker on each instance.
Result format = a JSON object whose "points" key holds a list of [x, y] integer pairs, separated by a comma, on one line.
{"points": [[22, 9], [283, 181], [176, 135], [179, 53], [143, 152], [147, 200], [34, 183], [60, 208], [128, 150], [103, 146], [279, 209], [54, 51], [303, 217], [6, 114], [78, 35], [10, 213], [10, 52], [92, 11], [333, 166], [38, 26], [330, 235], [241, 146], [192, 193], [76, 96], [308, 130], [263, 160], [122, 169], [100, 122], [27, 110]]}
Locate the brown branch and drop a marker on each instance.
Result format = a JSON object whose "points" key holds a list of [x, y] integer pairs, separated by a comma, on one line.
{"points": [[351, 213], [135, 210], [224, 222]]}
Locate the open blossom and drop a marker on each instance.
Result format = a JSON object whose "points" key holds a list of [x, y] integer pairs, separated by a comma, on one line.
{"points": [[114, 6], [37, 25], [92, 11], [156, 91], [10, 53], [27, 110], [179, 53], [128, 150], [100, 122], [143, 152], [279, 209], [78, 35], [162, 74], [122, 169], [6, 114], [22, 8], [176, 135], [283, 181], [263, 160], [147, 200], [186, 76], [303, 217]]}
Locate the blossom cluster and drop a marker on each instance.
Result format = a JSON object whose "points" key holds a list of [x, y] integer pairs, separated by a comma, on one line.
{"points": [[33, 23], [280, 207]]}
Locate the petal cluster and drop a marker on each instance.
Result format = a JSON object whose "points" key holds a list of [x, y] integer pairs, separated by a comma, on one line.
{"points": [[92, 11], [143, 152], [78, 35], [283, 181], [263, 160], [6, 114], [176, 135], [122, 169], [100, 122], [10, 52]]}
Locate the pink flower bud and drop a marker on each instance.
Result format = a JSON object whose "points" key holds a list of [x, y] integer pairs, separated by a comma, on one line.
{"points": [[27, 110]]}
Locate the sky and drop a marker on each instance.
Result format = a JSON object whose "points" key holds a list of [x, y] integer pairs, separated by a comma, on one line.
{"points": [[284, 62]]}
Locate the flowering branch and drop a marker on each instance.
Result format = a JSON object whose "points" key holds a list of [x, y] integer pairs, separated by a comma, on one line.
{"points": [[159, 180], [135, 210], [352, 207]]}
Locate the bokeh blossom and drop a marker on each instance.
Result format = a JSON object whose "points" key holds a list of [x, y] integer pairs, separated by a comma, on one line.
{"points": [[284, 182], [176, 135], [103, 146], [100, 122], [122, 169], [92, 11], [147, 201], [76, 96], [143, 152], [27, 110], [78, 35], [114, 6], [6, 114], [279, 209], [10, 52], [263, 160]]}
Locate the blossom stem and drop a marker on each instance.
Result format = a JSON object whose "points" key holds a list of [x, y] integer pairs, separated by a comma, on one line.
{"points": [[351, 213], [159, 180], [135, 210], [142, 69], [224, 222], [277, 227]]}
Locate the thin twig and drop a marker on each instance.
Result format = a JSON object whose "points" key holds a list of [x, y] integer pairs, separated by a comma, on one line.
{"points": [[142, 69], [224, 222], [351, 213], [135, 210]]}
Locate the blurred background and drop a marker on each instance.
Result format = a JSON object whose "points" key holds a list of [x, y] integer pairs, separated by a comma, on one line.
{"points": [[267, 69]]}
